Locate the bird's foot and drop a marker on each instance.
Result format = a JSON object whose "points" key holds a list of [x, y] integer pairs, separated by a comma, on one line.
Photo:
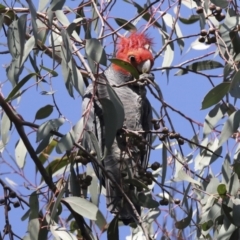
{"points": [[145, 78]]}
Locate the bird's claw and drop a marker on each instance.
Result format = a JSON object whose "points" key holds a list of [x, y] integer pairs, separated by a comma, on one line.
{"points": [[146, 77]]}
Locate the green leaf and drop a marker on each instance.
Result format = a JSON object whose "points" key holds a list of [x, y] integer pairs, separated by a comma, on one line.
{"points": [[68, 140], [215, 95], [47, 93], [75, 188], [101, 221], [183, 176], [146, 16], [235, 42], [164, 162], [22, 31], [71, 27], [44, 112], [212, 118], [234, 86], [61, 233], [95, 144], [93, 188], [33, 228], [212, 186], [80, 14], [113, 115], [235, 79], [185, 221], [226, 169], [135, 182], [230, 127], [12, 36], [25, 215], [95, 51], [235, 212], [225, 30], [108, 112], [57, 5], [57, 202], [168, 56], [67, 51], [113, 231], [20, 153], [128, 27], [33, 19], [43, 233], [192, 19], [56, 164], [169, 20], [42, 32], [47, 151], [220, 3], [77, 79], [53, 73], [34, 206], [47, 127], [126, 66], [227, 72], [221, 189], [5, 127], [147, 201], [227, 212], [233, 185], [18, 86], [44, 143], [153, 215], [82, 207], [200, 66], [236, 168]]}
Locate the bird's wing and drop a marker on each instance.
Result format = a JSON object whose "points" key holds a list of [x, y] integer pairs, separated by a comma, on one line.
{"points": [[93, 122], [147, 126]]}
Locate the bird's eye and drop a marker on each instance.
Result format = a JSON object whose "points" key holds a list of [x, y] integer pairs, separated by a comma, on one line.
{"points": [[132, 58]]}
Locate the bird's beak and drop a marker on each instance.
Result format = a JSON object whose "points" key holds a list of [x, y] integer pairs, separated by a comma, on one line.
{"points": [[144, 67]]}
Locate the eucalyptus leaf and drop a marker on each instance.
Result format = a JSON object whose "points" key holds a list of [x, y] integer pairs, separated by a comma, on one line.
{"points": [[200, 66], [192, 19], [185, 221], [20, 153], [5, 127], [52, 72], [146, 16], [215, 95], [113, 231], [19, 85], [113, 115], [95, 51], [125, 65], [129, 26], [44, 112], [82, 207], [147, 201], [230, 127], [212, 118], [45, 128], [164, 162]]}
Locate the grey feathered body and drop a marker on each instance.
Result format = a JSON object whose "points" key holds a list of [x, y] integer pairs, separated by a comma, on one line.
{"points": [[124, 155]]}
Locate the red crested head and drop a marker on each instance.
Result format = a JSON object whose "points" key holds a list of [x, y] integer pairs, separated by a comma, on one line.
{"points": [[135, 49]]}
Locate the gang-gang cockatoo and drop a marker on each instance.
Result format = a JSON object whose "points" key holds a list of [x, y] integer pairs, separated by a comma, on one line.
{"points": [[128, 153]]}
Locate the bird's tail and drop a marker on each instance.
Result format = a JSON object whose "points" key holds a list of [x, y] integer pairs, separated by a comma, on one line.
{"points": [[117, 203]]}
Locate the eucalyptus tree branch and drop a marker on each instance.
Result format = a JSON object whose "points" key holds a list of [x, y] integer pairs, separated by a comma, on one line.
{"points": [[18, 123], [93, 159]]}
